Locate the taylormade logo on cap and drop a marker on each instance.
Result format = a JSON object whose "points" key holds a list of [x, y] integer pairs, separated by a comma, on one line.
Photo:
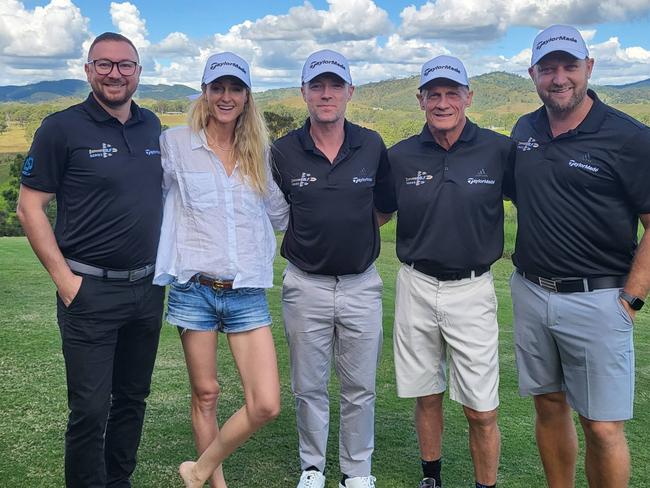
{"points": [[559, 38], [326, 61], [214, 66], [447, 67], [226, 64]]}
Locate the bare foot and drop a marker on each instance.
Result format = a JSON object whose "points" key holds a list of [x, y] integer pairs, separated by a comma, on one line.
{"points": [[186, 470]]}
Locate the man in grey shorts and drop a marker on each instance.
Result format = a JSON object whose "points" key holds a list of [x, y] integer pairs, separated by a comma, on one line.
{"points": [[335, 175], [581, 178]]}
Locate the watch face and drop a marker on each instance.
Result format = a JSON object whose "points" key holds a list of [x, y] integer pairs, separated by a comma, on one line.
{"points": [[636, 303]]}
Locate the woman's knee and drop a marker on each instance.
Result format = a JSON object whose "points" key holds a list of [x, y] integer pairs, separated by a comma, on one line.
{"points": [[264, 410], [205, 396]]}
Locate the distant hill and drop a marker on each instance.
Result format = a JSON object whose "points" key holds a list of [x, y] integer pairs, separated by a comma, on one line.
{"points": [[50, 90]]}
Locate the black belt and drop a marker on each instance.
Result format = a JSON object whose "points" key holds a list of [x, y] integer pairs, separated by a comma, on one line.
{"points": [[111, 274], [575, 285], [422, 267]]}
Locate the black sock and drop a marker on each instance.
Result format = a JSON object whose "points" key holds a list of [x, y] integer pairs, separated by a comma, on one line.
{"points": [[481, 485], [345, 477], [431, 469], [312, 468]]}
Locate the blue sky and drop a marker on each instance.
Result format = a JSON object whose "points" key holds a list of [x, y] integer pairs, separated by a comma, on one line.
{"points": [[48, 39]]}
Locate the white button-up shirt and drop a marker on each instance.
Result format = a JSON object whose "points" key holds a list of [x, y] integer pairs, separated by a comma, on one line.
{"points": [[214, 224]]}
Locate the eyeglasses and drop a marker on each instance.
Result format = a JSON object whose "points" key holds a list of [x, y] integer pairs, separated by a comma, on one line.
{"points": [[105, 66]]}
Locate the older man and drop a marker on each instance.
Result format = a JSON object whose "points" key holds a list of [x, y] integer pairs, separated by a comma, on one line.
{"points": [[101, 160], [334, 174], [582, 173], [449, 183]]}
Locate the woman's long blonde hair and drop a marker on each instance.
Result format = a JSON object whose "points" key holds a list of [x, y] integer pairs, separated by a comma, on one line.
{"points": [[251, 138]]}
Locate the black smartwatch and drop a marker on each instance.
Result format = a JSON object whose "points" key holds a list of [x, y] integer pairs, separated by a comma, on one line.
{"points": [[635, 302]]}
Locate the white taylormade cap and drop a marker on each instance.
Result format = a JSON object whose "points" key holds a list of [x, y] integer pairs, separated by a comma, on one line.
{"points": [[326, 61], [447, 67], [559, 38], [226, 64]]}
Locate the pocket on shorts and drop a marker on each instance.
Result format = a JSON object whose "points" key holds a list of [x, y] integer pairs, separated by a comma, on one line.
{"points": [[182, 286], [250, 291], [78, 298], [624, 313]]}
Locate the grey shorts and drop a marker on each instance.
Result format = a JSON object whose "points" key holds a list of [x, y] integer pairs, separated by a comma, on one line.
{"points": [[579, 343]]}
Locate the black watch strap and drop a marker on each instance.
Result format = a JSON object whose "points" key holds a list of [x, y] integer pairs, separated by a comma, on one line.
{"points": [[635, 302]]}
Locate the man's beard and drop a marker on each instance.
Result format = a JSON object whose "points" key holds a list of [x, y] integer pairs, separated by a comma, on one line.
{"points": [[567, 106], [112, 102]]}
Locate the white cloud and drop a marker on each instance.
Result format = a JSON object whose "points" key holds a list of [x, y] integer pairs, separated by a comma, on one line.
{"points": [[616, 64], [345, 19], [126, 18], [480, 20], [175, 44], [55, 30], [445, 19]]}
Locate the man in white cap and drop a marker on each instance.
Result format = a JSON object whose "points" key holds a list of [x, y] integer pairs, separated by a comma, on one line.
{"points": [[449, 184], [581, 178], [334, 174]]}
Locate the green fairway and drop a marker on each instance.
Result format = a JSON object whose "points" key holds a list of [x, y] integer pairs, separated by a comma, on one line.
{"points": [[33, 400]]}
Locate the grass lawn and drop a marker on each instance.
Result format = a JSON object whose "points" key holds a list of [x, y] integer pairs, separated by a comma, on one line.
{"points": [[33, 400]]}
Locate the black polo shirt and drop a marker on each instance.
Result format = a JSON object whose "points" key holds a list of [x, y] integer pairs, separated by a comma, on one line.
{"points": [[107, 180], [450, 202], [332, 226], [579, 195]]}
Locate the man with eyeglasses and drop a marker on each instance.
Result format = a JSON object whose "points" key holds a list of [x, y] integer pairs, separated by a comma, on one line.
{"points": [[100, 159]]}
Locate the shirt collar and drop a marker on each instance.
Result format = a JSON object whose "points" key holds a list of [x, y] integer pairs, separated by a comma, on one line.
{"points": [[198, 139], [97, 112], [352, 136], [591, 123], [467, 135]]}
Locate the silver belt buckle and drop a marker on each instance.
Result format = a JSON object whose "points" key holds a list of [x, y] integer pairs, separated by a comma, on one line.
{"points": [[137, 274], [547, 284]]}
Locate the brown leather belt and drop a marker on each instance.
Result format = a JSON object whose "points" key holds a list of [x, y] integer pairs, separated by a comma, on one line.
{"points": [[212, 283]]}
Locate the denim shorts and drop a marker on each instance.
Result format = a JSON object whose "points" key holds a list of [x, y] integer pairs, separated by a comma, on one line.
{"points": [[198, 307]]}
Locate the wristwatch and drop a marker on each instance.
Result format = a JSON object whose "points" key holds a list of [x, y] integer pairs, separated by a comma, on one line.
{"points": [[635, 302]]}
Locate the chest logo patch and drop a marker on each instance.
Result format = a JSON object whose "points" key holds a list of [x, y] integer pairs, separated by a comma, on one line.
{"points": [[420, 179], [584, 163], [105, 152], [528, 145], [152, 152], [304, 180], [363, 177], [481, 178]]}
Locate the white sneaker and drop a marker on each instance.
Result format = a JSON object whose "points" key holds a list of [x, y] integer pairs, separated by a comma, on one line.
{"points": [[359, 482], [311, 479]]}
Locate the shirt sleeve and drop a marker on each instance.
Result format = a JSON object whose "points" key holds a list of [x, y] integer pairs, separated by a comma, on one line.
{"points": [[276, 205], [46, 161], [166, 155], [384, 193], [633, 169], [509, 189], [278, 176]]}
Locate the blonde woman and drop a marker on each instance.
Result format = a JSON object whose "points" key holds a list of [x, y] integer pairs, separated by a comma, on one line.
{"points": [[216, 251]]}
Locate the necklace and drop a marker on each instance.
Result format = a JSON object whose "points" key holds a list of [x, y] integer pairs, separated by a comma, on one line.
{"points": [[212, 142]]}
